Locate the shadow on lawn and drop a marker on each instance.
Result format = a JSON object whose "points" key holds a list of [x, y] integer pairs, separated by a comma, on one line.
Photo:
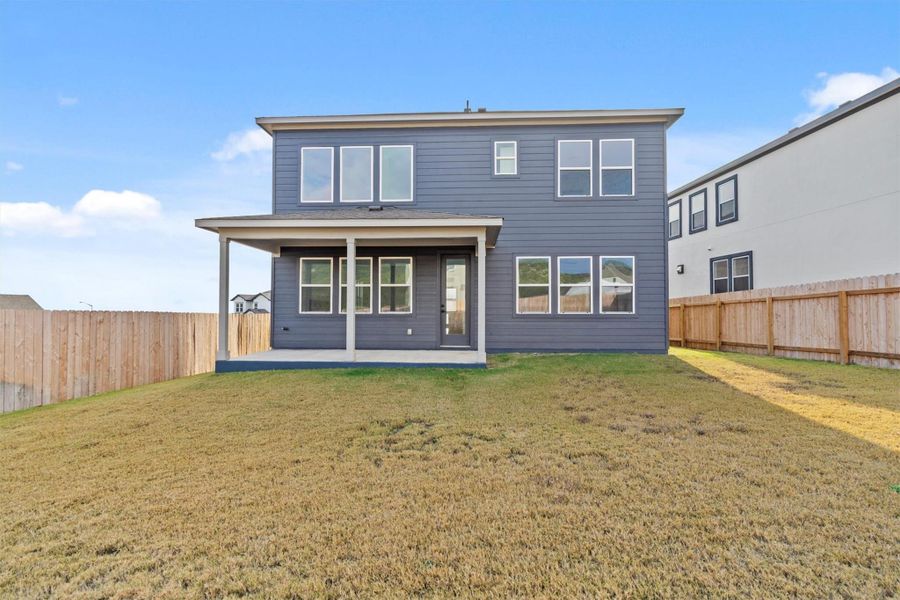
{"points": [[875, 420]]}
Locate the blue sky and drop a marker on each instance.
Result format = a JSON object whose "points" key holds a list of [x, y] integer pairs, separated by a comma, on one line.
{"points": [[157, 99]]}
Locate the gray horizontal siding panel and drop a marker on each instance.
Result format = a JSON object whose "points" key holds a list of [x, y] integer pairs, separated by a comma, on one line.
{"points": [[454, 173]]}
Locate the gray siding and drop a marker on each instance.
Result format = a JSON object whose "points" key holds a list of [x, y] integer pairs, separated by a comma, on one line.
{"points": [[454, 173]]}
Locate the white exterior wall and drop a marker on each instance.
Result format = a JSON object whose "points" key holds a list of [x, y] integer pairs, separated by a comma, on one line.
{"points": [[826, 206], [262, 303]]}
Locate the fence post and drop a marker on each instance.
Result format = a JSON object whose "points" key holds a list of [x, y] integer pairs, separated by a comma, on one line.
{"points": [[683, 327], [844, 327], [770, 325], [718, 324]]}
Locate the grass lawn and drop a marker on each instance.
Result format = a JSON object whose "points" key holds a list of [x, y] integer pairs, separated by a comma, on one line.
{"points": [[694, 474]]}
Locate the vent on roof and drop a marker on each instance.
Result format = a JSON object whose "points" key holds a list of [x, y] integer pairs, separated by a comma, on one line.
{"points": [[482, 109]]}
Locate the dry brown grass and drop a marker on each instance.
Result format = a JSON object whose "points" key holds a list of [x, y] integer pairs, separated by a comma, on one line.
{"points": [[686, 475]]}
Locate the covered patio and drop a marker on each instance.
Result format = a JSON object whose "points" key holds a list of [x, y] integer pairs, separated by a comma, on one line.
{"points": [[353, 228]]}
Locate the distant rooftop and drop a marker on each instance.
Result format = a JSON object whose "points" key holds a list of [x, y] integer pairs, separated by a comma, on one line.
{"points": [[18, 302], [478, 118], [844, 110]]}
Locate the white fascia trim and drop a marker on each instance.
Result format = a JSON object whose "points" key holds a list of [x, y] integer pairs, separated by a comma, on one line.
{"points": [[214, 224]]}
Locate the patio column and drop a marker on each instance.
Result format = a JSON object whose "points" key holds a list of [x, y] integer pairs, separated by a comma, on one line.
{"points": [[482, 297], [351, 298], [222, 351]]}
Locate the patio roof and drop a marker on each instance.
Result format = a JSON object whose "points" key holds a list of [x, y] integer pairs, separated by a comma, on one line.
{"points": [[368, 225]]}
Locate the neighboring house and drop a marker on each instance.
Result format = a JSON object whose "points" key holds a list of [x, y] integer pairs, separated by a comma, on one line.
{"points": [[253, 303], [18, 302], [820, 203], [482, 231]]}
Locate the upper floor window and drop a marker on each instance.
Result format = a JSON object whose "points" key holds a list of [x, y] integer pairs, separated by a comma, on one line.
{"points": [[395, 285], [506, 158], [575, 284], [675, 220], [616, 167], [396, 174], [315, 285], [532, 284], [316, 174], [726, 201], [575, 168], [697, 204], [239, 306], [617, 281], [732, 273], [356, 173]]}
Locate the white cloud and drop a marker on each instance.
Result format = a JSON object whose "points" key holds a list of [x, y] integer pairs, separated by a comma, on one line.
{"points": [[117, 205], [65, 101], [241, 143], [12, 166], [690, 155], [97, 207], [38, 217], [836, 89]]}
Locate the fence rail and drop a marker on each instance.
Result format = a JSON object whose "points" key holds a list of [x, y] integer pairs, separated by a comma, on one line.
{"points": [[849, 321], [51, 356]]}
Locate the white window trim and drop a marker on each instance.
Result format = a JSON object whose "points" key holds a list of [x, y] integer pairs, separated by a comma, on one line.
{"points": [[749, 274], [343, 261], [381, 259], [514, 158], [331, 151], [633, 286], [560, 169], [669, 220], [330, 286], [727, 277], [698, 194], [548, 285], [632, 167], [371, 198], [560, 284], [412, 172]]}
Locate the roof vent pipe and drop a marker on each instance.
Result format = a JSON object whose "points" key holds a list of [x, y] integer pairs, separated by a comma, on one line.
{"points": [[482, 109], [467, 109]]}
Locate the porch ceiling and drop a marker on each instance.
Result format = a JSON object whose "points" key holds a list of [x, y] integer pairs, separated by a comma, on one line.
{"points": [[386, 226]]}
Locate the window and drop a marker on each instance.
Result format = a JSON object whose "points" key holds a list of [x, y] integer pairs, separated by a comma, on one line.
{"points": [[720, 276], [255, 305], [726, 201], [363, 285], [740, 273], [616, 167], [575, 285], [617, 278], [532, 285], [675, 220], [395, 285], [697, 204], [356, 173], [575, 160], [732, 273], [316, 174], [315, 285], [239, 306], [506, 158], [396, 173]]}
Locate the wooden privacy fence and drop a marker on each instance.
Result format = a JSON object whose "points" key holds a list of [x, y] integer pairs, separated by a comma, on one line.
{"points": [[51, 356], [855, 320]]}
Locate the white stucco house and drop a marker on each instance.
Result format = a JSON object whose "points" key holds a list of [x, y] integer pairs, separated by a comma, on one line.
{"points": [[252, 303], [819, 203]]}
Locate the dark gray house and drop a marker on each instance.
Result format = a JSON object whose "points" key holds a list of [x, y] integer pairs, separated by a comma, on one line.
{"points": [[435, 238]]}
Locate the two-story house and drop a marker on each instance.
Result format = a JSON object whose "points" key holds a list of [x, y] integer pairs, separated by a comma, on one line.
{"points": [[435, 238], [252, 303], [819, 203]]}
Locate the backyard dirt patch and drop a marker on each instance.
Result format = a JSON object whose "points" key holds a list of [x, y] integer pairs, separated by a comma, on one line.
{"points": [[695, 474]]}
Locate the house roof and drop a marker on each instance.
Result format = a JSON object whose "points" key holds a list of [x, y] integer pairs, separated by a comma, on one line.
{"points": [[249, 297], [844, 110], [477, 118], [18, 302], [345, 213]]}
